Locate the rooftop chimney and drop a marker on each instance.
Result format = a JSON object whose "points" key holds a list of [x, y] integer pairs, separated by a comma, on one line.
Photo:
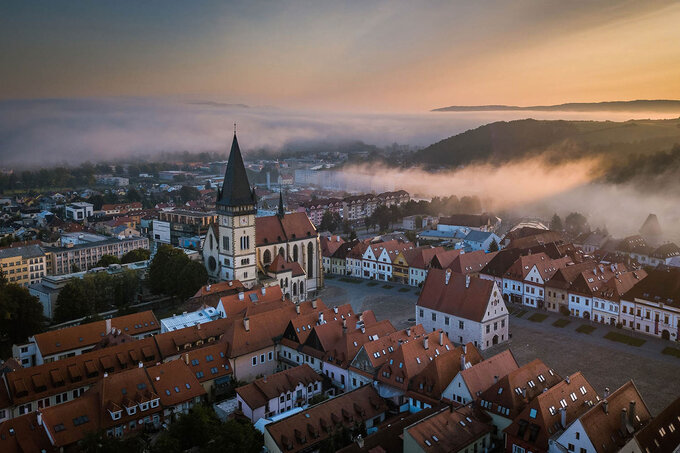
{"points": [[241, 295], [360, 441], [467, 281], [563, 417], [39, 418], [344, 326], [495, 379], [335, 309], [605, 406], [186, 358], [140, 364], [108, 326], [464, 349], [462, 361], [606, 392], [448, 276], [425, 342], [297, 308], [263, 290], [207, 288], [408, 331], [568, 380], [631, 412], [441, 338], [314, 304], [524, 392], [320, 318], [624, 420], [246, 324]]}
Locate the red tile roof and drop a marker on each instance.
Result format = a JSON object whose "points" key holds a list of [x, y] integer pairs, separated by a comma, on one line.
{"points": [[31, 384], [439, 373], [308, 428], [650, 438], [541, 418], [84, 335], [23, 434], [483, 375], [471, 262], [450, 430], [274, 230], [459, 297], [259, 392], [209, 362]]}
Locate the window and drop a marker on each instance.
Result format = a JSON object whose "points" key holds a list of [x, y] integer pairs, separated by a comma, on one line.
{"points": [[225, 243], [517, 449], [570, 447], [434, 316], [446, 320], [261, 358], [461, 325], [213, 370], [254, 360], [578, 435], [421, 313]]}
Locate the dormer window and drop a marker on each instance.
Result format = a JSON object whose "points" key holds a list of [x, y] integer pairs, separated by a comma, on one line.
{"points": [[144, 406], [131, 410], [154, 403], [116, 415]]}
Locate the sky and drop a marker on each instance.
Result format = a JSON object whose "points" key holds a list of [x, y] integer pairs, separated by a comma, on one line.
{"points": [[376, 56]]}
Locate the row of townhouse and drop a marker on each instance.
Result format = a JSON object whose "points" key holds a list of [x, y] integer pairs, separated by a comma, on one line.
{"points": [[351, 208], [131, 401], [396, 261], [614, 293]]}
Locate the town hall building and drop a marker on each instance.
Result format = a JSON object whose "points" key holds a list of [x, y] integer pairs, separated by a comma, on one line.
{"points": [[241, 246]]}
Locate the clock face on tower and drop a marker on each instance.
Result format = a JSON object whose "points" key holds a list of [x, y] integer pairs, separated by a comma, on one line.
{"points": [[244, 220]]}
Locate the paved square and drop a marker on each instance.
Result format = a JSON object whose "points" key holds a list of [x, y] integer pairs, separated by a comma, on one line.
{"points": [[603, 362]]}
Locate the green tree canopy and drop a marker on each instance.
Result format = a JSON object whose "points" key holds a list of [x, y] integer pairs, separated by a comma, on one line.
{"points": [[106, 260], [556, 223], [72, 303], [135, 255], [173, 273], [21, 315], [188, 193], [576, 223], [493, 247]]}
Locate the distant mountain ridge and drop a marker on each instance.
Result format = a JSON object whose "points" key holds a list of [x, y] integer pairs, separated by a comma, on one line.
{"points": [[642, 105]]}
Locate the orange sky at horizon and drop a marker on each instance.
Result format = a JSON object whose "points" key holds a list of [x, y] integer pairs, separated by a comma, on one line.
{"points": [[377, 57]]}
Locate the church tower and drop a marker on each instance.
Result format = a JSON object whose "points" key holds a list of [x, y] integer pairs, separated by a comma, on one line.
{"points": [[236, 209]]}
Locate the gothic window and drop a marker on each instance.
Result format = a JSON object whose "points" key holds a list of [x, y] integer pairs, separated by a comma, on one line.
{"points": [[211, 242], [294, 289], [267, 257], [281, 252], [295, 252], [302, 288], [310, 261]]}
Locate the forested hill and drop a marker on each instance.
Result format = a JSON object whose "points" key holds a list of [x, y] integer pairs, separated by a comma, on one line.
{"points": [[661, 105], [560, 141]]}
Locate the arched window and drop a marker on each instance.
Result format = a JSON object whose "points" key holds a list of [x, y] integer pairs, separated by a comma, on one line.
{"points": [[281, 252], [302, 288], [211, 242], [286, 282], [267, 257], [310, 261], [294, 289], [295, 252]]}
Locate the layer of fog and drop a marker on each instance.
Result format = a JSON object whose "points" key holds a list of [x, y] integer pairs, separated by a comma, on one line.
{"points": [[536, 188], [46, 132]]}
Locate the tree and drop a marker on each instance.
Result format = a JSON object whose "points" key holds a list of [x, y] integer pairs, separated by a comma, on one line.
{"points": [[21, 315], [328, 222], [135, 255], [72, 303], [576, 223], [107, 260], [171, 272], [419, 222], [493, 247], [133, 195], [188, 193], [556, 223], [352, 235], [74, 268], [192, 276]]}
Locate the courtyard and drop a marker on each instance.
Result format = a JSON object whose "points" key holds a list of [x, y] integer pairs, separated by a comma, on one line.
{"points": [[606, 356]]}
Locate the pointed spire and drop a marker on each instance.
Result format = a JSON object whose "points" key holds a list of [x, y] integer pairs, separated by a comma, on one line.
{"points": [[236, 189], [281, 212]]}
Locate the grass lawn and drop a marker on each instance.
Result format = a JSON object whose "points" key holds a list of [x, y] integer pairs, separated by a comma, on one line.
{"points": [[350, 280], [520, 313], [538, 317], [585, 328], [372, 283], [388, 286], [561, 323], [404, 290], [621, 338], [671, 351]]}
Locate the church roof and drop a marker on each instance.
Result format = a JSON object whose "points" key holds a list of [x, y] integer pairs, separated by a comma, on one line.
{"points": [[236, 188]]}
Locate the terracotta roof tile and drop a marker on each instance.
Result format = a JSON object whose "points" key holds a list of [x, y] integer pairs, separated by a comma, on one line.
{"points": [[450, 430], [259, 392], [481, 376]]}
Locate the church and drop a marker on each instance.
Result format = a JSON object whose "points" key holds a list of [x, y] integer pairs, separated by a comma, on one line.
{"points": [[260, 250]]}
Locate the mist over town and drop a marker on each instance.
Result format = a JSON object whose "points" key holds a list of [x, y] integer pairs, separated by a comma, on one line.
{"points": [[353, 227]]}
